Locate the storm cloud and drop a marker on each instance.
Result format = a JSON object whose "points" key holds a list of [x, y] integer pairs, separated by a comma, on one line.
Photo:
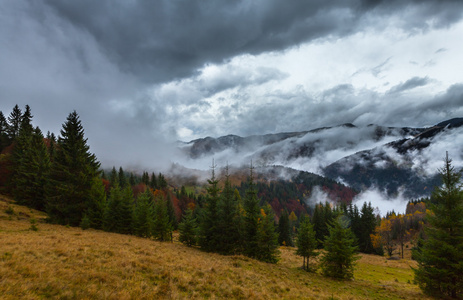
{"points": [[142, 74]]}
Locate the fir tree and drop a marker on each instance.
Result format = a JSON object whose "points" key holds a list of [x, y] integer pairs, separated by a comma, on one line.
{"points": [[319, 224], [96, 204], [162, 183], [306, 243], [110, 218], [251, 216], [32, 170], [153, 182], [267, 237], [339, 258], [14, 123], [208, 233], [143, 215], [367, 228], [187, 229], [23, 143], [114, 178], [71, 175], [228, 219], [145, 178], [161, 229], [440, 261], [117, 216], [121, 177]]}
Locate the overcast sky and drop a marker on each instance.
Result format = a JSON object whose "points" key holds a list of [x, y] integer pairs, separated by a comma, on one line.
{"points": [[143, 73]]}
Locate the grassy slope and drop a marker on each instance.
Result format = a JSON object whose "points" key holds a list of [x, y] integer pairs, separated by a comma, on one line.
{"points": [[69, 263]]}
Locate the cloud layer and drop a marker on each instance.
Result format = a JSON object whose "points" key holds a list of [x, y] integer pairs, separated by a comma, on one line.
{"points": [[142, 74]]}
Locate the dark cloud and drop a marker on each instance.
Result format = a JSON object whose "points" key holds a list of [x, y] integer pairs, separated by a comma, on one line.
{"points": [[137, 71], [409, 84], [162, 40]]}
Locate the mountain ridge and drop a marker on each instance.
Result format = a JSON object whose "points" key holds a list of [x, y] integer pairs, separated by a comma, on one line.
{"points": [[393, 159]]}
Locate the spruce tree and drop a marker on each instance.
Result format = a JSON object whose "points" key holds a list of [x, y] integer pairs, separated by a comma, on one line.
{"points": [[306, 243], [96, 204], [162, 228], [339, 258], [14, 123], [114, 178], [117, 216], [23, 141], [122, 178], [251, 216], [71, 176], [32, 171], [110, 214], [143, 215], [188, 228], [153, 181], [228, 219], [267, 237], [319, 224], [367, 228], [440, 261], [208, 233]]}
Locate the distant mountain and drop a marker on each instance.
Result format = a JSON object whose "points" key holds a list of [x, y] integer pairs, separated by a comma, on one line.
{"points": [[391, 159], [407, 165]]}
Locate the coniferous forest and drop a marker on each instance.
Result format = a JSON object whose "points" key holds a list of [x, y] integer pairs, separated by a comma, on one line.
{"points": [[60, 175]]}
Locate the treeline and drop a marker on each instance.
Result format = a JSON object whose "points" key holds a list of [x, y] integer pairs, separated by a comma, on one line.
{"points": [[228, 224], [61, 176]]}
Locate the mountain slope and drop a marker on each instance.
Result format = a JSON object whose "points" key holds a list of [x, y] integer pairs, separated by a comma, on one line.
{"points": [[58, 262], [392, 159], [406, 165]]}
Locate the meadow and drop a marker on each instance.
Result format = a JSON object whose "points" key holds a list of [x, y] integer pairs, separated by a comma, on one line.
{"points": [[45, 261]]}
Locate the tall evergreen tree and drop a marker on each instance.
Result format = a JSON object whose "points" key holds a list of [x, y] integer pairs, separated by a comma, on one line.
{"points": [[339, 258], [153, 181], [267, 237], [143, 215], [162, 228], [14, 123], [251, 216], [118, 213], [306, 242], [145, 178], [208, 233], [162, 182], [367, 228], [228, 219], [440, 262], [110, 215], [96, 204], [114, 178], [71, 175], [188, 228], [319, 224], [32, 171], [122, 179]]}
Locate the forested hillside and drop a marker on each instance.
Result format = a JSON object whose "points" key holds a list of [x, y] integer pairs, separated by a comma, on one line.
{"points": [[247, 213]]}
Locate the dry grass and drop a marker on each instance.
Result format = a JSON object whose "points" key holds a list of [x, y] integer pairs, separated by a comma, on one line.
{"points": [[68, 263]]}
